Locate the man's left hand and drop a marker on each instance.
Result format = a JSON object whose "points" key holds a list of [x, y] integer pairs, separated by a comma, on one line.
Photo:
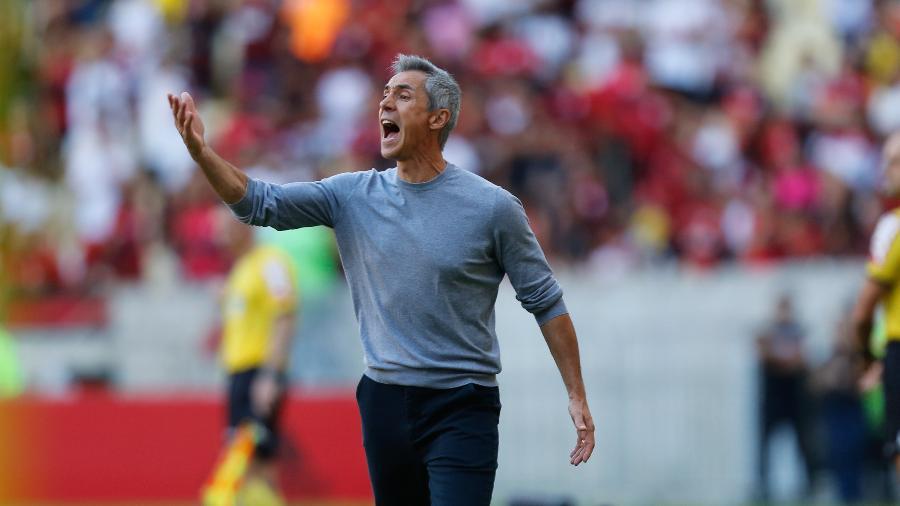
{"points": [[584, 426]]}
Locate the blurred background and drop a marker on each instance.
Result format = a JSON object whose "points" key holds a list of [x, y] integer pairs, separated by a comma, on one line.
{"points": [[702, 174]]}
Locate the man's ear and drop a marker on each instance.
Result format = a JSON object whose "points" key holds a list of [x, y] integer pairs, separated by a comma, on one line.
{"points": [[438, 119]]}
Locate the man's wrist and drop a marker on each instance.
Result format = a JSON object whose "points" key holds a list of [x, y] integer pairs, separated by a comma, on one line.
{"points": [[202, 155], [577, 396]]}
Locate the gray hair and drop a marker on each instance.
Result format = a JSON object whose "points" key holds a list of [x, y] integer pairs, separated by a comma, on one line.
{"points": [[443, 91]]}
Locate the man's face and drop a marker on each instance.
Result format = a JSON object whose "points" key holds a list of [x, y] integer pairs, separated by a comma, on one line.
{"points": [[891, 156], [403, 115]]}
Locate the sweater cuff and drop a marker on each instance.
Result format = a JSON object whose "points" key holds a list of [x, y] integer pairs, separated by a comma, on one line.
{"points": [[557, 309], [243, 208]]}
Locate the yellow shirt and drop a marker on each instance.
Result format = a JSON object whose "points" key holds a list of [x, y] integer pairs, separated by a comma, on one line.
{"points": [[884, 267], [260, 289]]}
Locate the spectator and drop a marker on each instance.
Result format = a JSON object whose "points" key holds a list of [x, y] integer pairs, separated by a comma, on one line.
{"points": [[845, 424], [784, 398]]}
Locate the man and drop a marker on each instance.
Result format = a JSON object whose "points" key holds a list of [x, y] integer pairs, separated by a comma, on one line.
{"points": [[424, 247], [258, 311], [881, 287], [783, 390]]}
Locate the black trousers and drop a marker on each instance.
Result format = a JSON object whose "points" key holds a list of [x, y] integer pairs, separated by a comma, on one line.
{"points": [[428, 446]]}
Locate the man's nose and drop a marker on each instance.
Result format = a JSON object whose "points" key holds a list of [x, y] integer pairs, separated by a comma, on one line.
{"points": [[386, 103]]}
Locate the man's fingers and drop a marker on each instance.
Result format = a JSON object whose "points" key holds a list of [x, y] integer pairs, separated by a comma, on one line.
{"points": [[582, 452], [180, 112], [189, 124], [188, 101], [584, 446], [179, 119], [587, 450], [173, 105], [577, 457], [575, 454]]}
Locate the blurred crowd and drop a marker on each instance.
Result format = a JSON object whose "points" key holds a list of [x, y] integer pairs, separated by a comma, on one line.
{"points": [[634, 131]]}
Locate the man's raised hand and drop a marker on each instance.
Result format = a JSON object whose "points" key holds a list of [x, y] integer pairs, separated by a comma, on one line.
{"points": [[188, 123]]}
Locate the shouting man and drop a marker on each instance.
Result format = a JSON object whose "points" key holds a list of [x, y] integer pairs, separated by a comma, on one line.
{"points": [[424, 247]]}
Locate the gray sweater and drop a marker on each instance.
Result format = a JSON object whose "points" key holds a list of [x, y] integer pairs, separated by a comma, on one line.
{"points": [[424, 262]]}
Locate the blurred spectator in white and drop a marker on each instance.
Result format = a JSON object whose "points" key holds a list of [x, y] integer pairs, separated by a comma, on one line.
{"points": [[738, 226], [884, 109], [343, 95], [172, 167], [597, 56], [99, 143], [462, 153], [24, 201], [138, 30], [847, 154], [551, 38], [610, 14], [716, 148], [685, 41]]}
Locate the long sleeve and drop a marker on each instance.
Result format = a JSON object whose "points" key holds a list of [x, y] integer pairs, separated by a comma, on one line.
{"points": [[295, 205], [522, 259]]}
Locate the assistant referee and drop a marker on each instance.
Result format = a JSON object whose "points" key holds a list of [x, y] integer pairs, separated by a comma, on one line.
{"points": [[881, 286], [259, 310]]}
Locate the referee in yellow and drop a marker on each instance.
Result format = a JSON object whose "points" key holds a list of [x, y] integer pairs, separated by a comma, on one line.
{"points": [[259, 315], [882, 286]]}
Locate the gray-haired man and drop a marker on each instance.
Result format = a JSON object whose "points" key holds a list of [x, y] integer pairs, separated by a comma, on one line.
{"points": [[424, 247]]}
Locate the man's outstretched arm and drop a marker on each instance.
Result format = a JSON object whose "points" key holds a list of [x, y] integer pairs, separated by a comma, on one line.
{"points": [[226, 179], [560, 336]]}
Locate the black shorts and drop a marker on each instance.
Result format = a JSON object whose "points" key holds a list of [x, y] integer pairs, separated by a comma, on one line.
{"points": [[890, 381], [240, 410]]}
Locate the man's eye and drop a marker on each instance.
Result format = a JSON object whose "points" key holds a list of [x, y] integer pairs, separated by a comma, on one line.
{"points": [[405, 97]]}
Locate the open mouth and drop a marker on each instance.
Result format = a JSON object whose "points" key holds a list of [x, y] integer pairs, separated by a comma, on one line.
{"points": [[389, 130]]}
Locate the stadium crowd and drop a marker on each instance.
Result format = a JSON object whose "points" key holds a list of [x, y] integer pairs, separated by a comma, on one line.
{"points": [[635, 132]]}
